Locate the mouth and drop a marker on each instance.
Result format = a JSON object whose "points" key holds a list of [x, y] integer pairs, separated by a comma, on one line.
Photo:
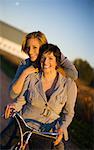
{"points": [[33, 56], [46, 67]]}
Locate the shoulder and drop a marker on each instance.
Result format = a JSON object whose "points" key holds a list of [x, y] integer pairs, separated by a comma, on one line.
{"points": [[67, 81], [33, 76], [71, 84], [25, 62], [32, 79]]}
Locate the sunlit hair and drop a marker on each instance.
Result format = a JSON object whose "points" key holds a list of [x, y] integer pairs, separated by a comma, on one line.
{"points": [[50, 48], [37, 34]]}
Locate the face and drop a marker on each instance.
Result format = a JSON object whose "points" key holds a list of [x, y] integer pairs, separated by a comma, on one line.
{"points": [[48, 62], [34, 49]]}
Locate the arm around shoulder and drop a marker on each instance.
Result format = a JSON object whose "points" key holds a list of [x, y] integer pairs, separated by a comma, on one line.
{"points": [[21, 99], [14, 87], [69, 67]]}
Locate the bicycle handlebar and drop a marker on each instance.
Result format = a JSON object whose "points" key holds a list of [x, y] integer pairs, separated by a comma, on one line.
{"points": [[47, 134], [30, 130]]}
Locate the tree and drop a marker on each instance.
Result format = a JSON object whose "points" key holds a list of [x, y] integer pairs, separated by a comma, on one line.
{"points": [[86, 72]]}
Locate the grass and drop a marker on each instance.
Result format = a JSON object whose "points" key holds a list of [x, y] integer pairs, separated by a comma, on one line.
{"points": [[82, 134]]}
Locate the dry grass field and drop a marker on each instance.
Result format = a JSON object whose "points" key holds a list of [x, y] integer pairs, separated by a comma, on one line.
{"points": [[82, 127], [85, 102]]}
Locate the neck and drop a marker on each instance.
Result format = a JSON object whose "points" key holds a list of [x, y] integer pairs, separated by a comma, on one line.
{"points": [[49, 75]]}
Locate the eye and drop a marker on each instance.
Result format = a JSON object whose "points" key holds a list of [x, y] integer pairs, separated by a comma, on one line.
{"points": [[51, 58], [34, 47]]}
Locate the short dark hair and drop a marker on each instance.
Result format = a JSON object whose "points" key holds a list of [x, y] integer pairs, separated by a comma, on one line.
{"points": [[51, 48]]}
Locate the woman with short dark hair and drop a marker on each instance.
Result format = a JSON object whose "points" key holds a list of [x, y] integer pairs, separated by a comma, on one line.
{"points": [[46, 95]]}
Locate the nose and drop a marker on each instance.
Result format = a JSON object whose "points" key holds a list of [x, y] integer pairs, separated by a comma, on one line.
{"points": [[46, 61], [31, 51]]}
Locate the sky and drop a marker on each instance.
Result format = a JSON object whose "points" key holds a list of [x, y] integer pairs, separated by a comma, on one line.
{"points": [[69, 24]]}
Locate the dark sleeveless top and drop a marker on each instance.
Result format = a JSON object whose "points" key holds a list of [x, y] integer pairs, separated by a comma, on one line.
{"points": [[50, 91]]}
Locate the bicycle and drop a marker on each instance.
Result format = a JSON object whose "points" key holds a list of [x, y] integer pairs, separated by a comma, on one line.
{"points": [[23, 143]]}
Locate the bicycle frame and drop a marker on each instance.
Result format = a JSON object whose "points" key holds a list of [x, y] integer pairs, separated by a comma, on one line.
{"points": [[30, 131]]}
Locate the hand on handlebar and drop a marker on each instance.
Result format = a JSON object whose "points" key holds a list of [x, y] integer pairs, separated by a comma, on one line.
{"points": [[10, 108], [59, 138]]}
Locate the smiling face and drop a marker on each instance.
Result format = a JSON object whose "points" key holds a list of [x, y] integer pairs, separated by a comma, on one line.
{"points": [[48, 62], [34, 46]]}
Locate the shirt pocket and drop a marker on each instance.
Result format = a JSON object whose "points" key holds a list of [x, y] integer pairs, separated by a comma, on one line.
{"points": [[60, 103]]}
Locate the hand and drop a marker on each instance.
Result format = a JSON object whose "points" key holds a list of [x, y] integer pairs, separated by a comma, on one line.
{"points": [[59, 138], [30, 70], [9, 110]]}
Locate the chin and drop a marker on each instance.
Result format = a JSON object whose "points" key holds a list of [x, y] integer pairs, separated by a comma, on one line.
{"points": [[46, 70], [32, 59]]}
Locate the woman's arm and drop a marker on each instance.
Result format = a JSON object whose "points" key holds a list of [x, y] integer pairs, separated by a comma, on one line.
{"points": [[23, 97], [17, 83], [69, 68], [19, 102], [68, 111]]}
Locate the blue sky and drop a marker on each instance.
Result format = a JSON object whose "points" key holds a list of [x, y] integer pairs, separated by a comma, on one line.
{"points": [[66, 23]]}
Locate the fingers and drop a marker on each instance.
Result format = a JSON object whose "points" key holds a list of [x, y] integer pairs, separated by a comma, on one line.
{"points": [[30, 70], [9, 110], [58, 140], [36, 70]]}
